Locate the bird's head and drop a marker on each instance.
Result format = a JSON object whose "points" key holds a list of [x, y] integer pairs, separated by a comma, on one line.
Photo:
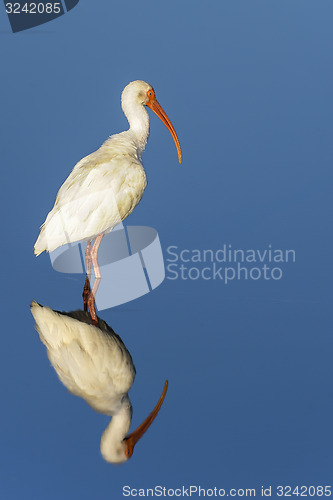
{"points": [[120, 452], [141, 93]]}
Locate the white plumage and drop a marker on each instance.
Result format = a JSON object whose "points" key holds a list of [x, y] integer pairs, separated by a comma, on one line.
{"points": [[94, 364], [105, 186]]}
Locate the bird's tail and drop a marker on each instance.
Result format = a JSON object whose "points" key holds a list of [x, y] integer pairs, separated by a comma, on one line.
{"points": [[40, 245]]}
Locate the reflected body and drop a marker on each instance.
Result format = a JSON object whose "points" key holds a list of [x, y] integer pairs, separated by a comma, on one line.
{"points": [[94, 364]]}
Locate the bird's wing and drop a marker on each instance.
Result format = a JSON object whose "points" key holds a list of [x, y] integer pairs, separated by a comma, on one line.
{"points": [[98, 194]]}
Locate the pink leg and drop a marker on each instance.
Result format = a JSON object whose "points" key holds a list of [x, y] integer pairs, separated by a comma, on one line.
{"points": [[88, 258], [94, 255], [91, 300]]}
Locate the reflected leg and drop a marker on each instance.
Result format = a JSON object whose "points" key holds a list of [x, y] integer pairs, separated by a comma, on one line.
{"points": [[86, 288], [91, 301]]}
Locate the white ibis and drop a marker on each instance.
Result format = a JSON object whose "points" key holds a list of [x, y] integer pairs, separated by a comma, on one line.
{"points": [[94, 364], [105, 186]]}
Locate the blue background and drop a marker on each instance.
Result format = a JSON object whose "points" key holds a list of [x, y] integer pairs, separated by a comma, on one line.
{"points": [[248, 87]]}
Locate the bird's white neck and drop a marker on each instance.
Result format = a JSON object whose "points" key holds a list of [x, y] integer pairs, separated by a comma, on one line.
{"points": [[112, 446], [138, 120]]}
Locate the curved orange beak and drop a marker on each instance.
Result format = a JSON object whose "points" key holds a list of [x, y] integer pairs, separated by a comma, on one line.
{"points": [[134, 437], [155, 106]]}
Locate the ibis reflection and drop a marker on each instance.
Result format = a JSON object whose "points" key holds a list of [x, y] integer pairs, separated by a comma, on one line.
{"points": [[92, 361]]}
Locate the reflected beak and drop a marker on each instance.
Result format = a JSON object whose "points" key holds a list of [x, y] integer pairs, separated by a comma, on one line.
{"points": [[155, 106], [134, 437]]}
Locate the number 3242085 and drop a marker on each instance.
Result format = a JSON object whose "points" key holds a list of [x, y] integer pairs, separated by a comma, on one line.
{"points": [[304, 491], [33, 8]]}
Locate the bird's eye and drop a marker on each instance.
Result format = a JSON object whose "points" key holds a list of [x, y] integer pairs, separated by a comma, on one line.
{"points": [[150, 93]]}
